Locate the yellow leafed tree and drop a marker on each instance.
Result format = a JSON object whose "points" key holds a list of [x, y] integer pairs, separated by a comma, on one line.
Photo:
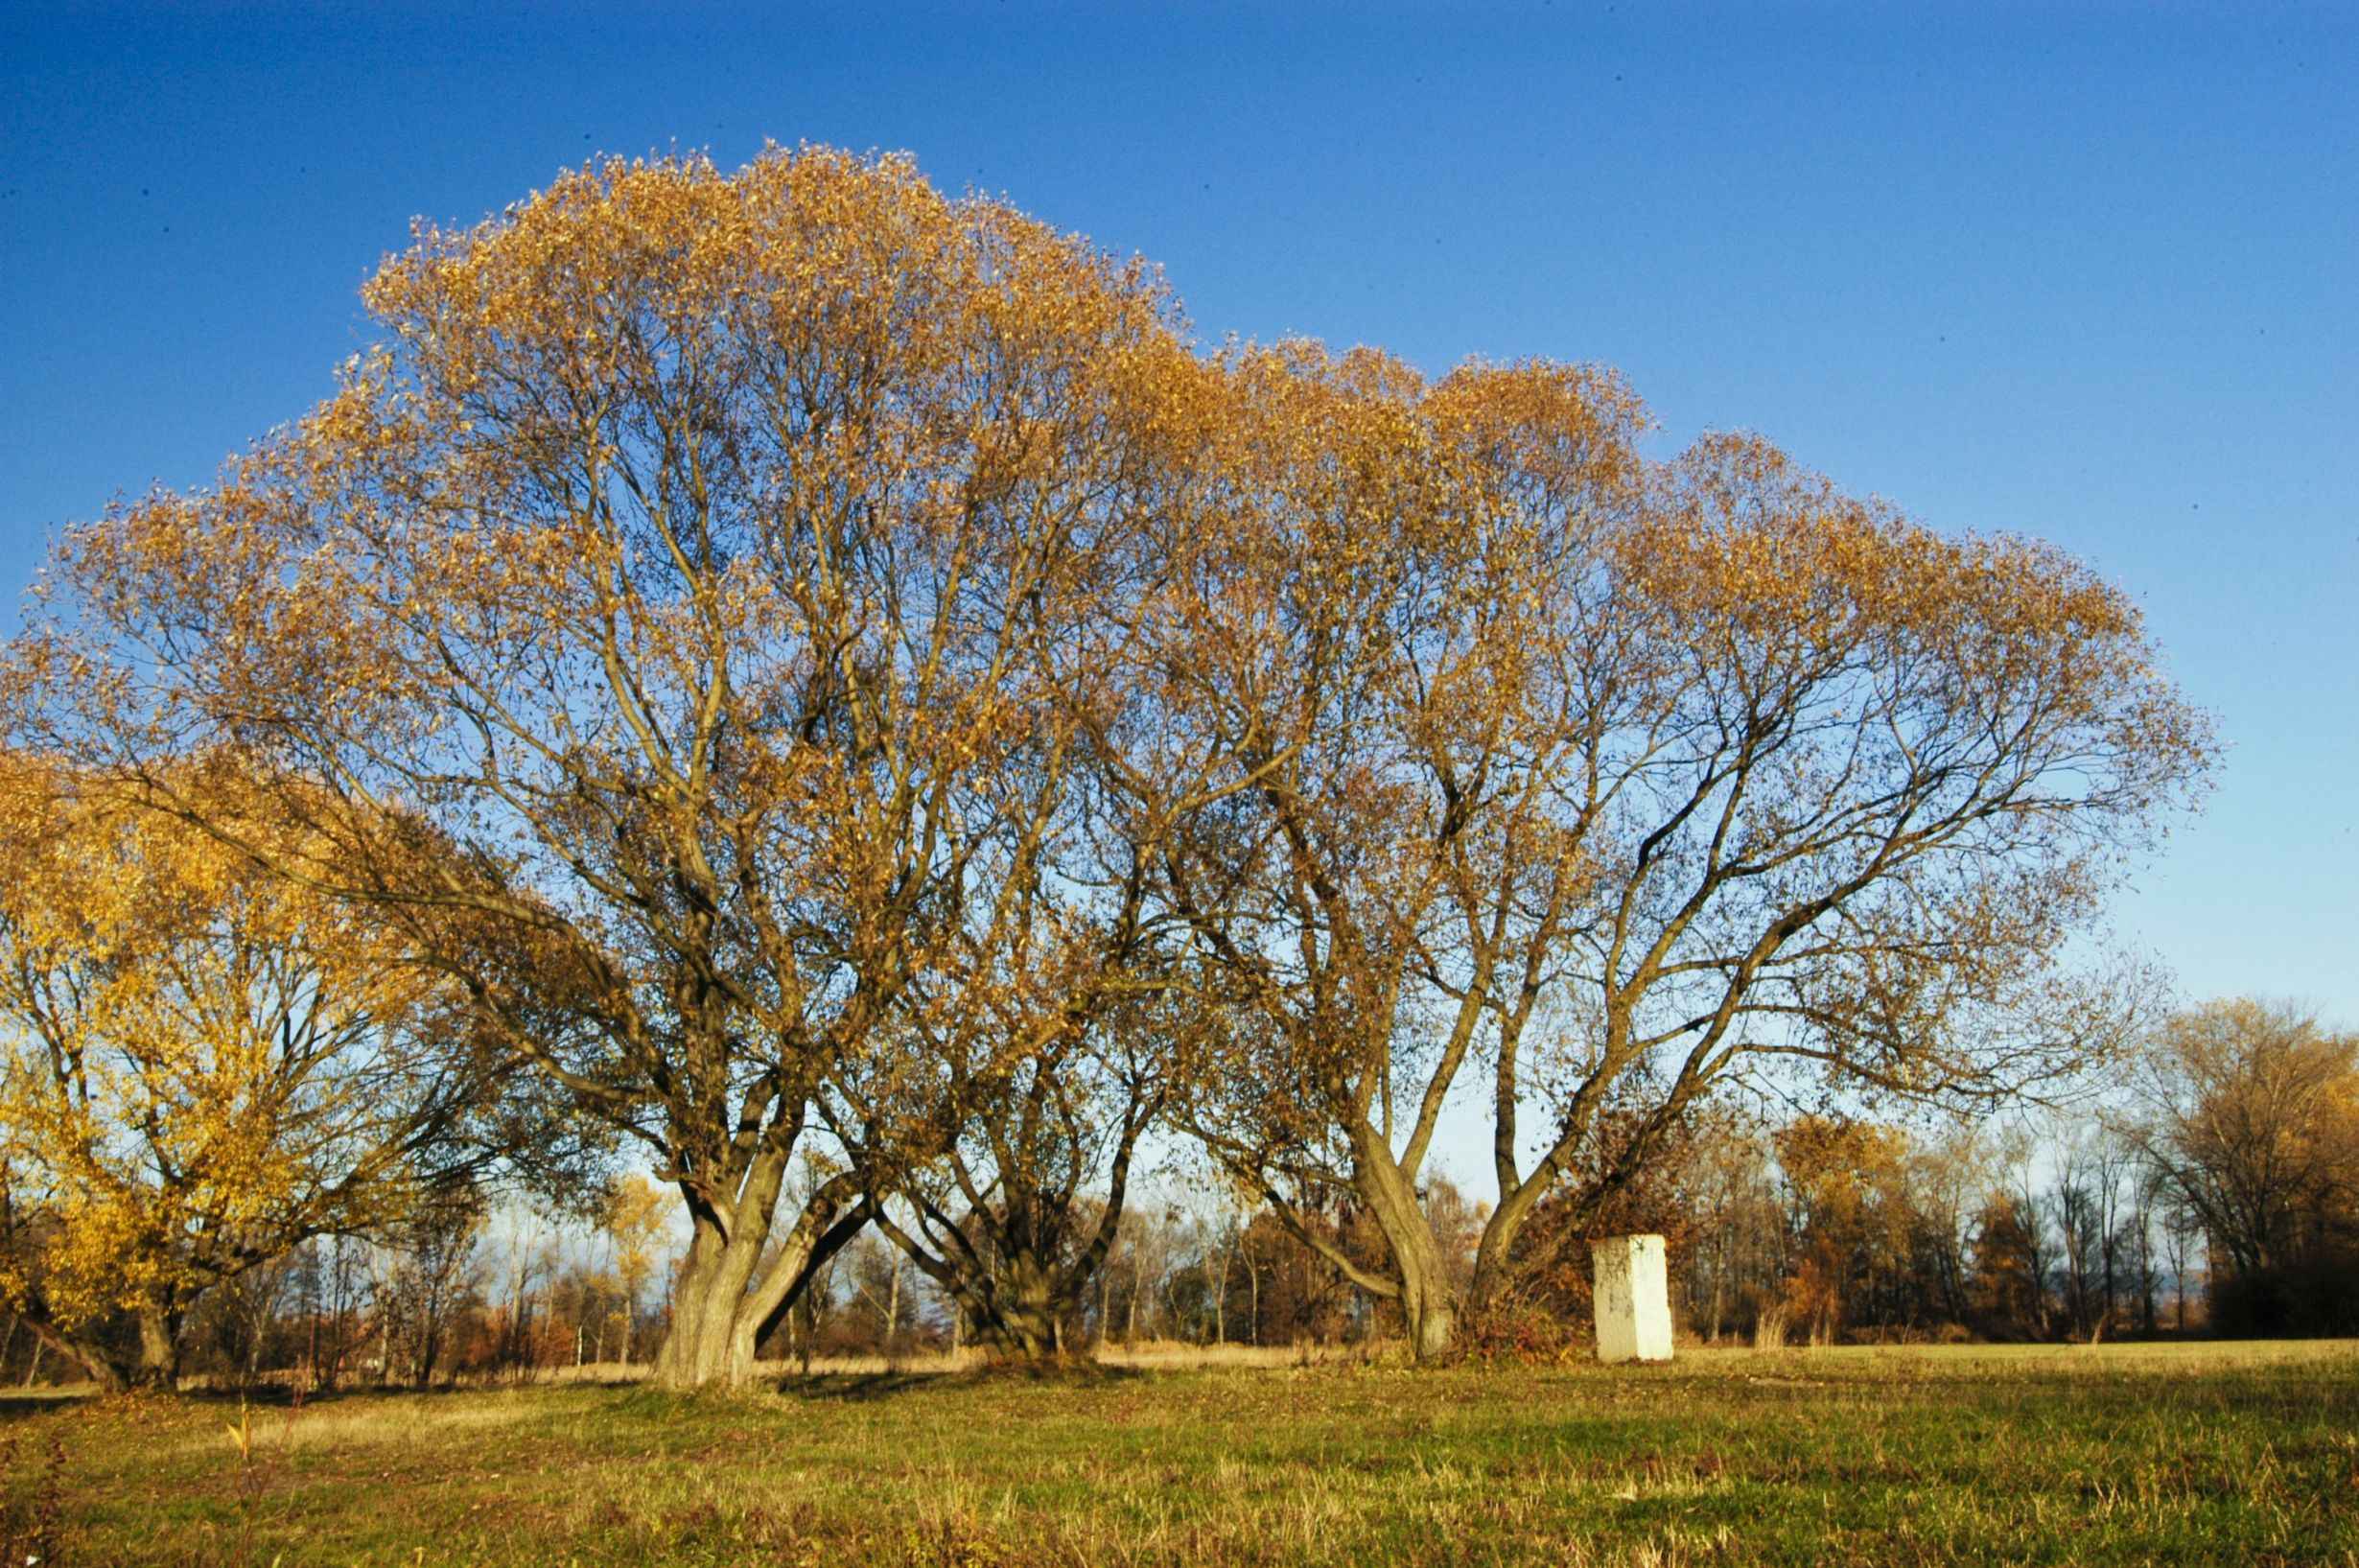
{"points": [[202, 1066], [633, 1220]]}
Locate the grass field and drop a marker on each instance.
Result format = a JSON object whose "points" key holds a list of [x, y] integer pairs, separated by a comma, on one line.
{"points": [[2121, 1454]]}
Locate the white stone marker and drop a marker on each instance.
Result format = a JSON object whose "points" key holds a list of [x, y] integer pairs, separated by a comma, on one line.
{"points": [[1631, 1300]]}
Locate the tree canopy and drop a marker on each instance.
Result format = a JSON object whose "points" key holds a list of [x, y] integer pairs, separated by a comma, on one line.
{"points": [[846, 645]]}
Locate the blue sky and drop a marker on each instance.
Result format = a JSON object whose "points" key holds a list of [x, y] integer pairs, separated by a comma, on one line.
{"points": [[2087, 272]]}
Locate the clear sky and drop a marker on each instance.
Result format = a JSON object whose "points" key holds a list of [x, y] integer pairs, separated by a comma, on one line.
{"points": [[2089, 272]]}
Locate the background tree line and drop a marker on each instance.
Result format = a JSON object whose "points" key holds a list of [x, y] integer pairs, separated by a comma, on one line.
{"points": [[2222, 1198], [826, 688]]}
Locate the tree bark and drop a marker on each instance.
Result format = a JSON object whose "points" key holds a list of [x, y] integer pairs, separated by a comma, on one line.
{"points": [[1219, 1303], [724, 1300], [1025, 1316], [1253, 1280], [159, 1348], [712, 1330], [1429, 1312]]}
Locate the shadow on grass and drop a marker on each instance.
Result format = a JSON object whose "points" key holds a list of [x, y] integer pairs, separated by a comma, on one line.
{"points": [[279, 1395], [860, 1387], [261, 1396]]}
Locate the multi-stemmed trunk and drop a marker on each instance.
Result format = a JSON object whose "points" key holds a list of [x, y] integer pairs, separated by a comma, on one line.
{"points": [[1023, 1315], [1019, 1287], [1019, 1260], [713, 1324], [1016, 1304], [728, 1297], [1415, 1274]]}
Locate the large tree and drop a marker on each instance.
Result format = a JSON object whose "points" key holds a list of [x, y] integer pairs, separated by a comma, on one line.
{"points": [[752, 581], [714, 560], [1617, 782]]}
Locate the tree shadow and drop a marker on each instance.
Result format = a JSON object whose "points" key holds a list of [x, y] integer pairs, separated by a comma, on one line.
{"points": [[16, 1406], [280, 1395], [261, 1396], [860, 1387]]}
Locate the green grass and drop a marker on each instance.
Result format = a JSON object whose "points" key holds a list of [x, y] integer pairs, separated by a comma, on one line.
{"points": [[2195, 1454]]}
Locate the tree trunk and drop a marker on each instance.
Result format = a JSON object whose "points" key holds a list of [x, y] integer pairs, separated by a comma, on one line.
{"points": [[1029, 1331], [1106, 1304], [47, 1336], [153, 1361], [1428, 1313], [159, 1348], [724, 1301], [1252, 1281], [1220, 1303], [1427, 1310], [712, 1337], [1023, 1308]]}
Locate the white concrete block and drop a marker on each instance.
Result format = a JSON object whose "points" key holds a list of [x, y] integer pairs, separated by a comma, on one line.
{"points": [[1632, 1298]]}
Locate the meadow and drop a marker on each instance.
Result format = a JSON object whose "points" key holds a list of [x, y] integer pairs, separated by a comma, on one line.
{"points": [[2200, 1453]]}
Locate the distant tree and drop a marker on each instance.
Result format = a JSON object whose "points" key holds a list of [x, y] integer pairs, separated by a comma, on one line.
{"points": [[429, 1273], [632, 1218], [2011, 1265], [1948, 1177], [2138, 1244], [1737, 1256], [1294, 1294], [242, 1317], [1852, 1218], [329, 1281], [884, 1296], [2076, 1211], [2248, 1113]]}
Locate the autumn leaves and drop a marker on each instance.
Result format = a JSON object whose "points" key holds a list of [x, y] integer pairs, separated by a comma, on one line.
{"points": [[841, 658]]}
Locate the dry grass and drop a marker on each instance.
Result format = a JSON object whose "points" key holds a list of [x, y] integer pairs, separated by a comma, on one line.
{"points": [[2193, 1454]]}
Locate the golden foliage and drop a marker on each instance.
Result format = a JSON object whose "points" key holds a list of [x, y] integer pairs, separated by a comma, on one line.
{"points": [[202, 1064], [813, 615]]}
